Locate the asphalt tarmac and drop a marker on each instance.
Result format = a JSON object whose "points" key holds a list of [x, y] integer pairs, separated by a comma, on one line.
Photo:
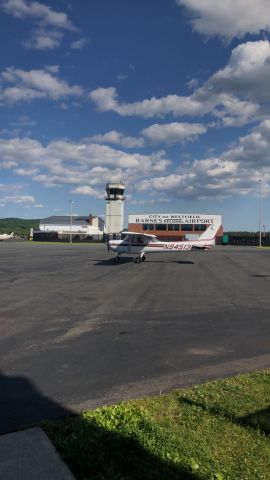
{"points": [[78, 330]]}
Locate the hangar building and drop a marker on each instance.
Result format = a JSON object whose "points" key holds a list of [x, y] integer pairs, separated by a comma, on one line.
{"points": [[60, 227], [174, 226]]}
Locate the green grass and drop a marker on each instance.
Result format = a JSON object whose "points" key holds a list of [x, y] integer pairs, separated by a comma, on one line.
{"points": [[215, 431]]}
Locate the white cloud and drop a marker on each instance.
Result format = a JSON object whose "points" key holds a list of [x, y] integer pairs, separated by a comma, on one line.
{"points": [[42, 39], [49, 24], [38, 11], [247, 73], [10, 188], [24, 121], [235, 172], [106, 99], [173, 132], [80, 43], [87, 190], [22, 199], [117, 138], [77, 164], [235, 95], [33, 84], [228, 18], [87, 166], [202, 102], [16, 199], [26, 172]]}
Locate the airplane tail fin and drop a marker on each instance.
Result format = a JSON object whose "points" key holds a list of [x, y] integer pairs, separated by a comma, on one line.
{"points": [[211, 231]]}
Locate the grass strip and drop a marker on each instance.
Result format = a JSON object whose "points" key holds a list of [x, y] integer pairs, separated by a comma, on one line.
{"points": [[215, 431]]}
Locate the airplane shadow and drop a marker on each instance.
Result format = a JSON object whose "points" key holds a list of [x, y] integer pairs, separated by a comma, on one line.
{"points": [[22, 404], [259, 420], [106, 454], [182, 262], [112, 263], [124, 260], [113, 454]]}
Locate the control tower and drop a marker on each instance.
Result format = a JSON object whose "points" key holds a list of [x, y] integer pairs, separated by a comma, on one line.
{"points": [[115, 207]]}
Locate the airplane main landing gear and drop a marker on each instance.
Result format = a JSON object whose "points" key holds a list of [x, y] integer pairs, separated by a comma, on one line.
{"points": [[117, 259], [140, 259]]}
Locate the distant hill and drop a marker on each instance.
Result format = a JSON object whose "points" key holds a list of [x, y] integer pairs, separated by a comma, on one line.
{"points": [[20, 226]]}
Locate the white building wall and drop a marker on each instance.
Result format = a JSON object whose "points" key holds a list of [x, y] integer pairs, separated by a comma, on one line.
{"points": [[90, 230], [114, 216]]}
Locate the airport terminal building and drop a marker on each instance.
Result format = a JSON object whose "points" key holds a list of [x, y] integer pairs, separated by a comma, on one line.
{"points": [[173, 226]]}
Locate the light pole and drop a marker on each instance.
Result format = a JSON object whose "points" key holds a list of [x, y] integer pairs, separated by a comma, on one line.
{"points": [[260, 219], [70, 236]]}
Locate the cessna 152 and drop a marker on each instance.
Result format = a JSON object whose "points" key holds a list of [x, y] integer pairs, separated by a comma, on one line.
{"points": [[6, 236], [142, 243]]}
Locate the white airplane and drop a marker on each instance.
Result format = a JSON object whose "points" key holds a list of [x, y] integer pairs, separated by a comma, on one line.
{"points": [[142, 243], [6, 236]]}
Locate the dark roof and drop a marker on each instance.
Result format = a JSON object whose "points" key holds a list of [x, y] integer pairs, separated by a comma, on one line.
{"points": [[65, 220]]}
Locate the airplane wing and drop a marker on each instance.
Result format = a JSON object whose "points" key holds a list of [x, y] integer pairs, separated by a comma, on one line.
{"points": [[147, 235]]}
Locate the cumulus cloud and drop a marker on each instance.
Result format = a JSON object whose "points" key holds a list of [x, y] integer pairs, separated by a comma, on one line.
{"points": [[230, 18], [49, 24], [173, 132], [34, 84], [106, 99], [41, 39], [87, 166], [16, 199], [219, 177], [117, 138], [158, 133], [235, 95], [247, 73], [80, 43], [80, 165], [38, 11], [202, 102], [87, 190]]}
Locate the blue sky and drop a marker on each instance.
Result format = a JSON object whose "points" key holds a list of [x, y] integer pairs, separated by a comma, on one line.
{"points": [[172, 96]]}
